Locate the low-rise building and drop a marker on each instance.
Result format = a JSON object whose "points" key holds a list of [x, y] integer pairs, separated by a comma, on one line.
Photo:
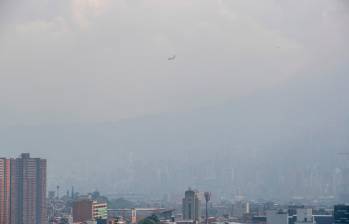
{"points": [[85, 210], [277, 217], [304, 216]]}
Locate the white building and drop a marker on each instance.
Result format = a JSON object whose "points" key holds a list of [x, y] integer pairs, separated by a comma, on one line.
{"points": [[277, 217], [304, 216]]}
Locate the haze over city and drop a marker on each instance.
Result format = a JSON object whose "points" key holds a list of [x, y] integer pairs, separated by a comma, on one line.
{"points": [[254, 103]]}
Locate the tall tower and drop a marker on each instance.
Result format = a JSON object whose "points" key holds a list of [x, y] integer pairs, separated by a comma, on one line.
{"points": [[23, 190], [5, 190], [207, 199], [191, 206]]}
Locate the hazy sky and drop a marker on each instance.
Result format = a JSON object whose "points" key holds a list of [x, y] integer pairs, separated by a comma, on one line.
{"points": [[103, 60], [91, 61]]}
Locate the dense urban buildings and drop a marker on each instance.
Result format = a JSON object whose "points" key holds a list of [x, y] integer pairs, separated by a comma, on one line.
{"points": [[92, 208], [23, 190], [23, 201]]}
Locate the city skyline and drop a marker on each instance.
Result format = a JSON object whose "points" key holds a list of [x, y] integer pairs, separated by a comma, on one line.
{"points": [[146, 107], [23, 199]]}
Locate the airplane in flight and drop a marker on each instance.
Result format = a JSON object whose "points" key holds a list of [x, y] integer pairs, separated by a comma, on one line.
{"points": [[173, 57]]}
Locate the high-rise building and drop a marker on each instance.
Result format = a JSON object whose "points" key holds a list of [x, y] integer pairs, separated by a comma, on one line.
{"points": [[5, 190], [341, 214], [23, 190], [191, 206]]}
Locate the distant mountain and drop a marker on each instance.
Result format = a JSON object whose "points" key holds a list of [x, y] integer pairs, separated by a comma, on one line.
{"points": [[277, 143]]}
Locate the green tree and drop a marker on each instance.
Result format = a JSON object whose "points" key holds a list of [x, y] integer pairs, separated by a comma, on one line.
{"points": [[153, 219]]}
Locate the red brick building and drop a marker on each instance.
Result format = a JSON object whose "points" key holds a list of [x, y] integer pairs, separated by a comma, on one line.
{"points": [[82, 210]]}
